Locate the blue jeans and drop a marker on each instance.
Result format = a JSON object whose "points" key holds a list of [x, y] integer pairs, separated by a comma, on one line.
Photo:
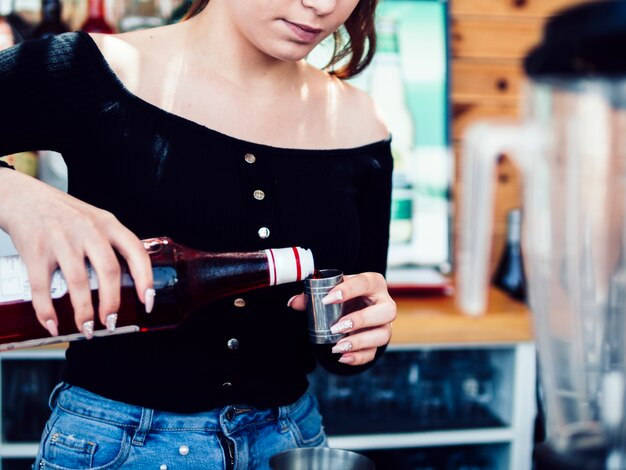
{"points": [[87, 431]]}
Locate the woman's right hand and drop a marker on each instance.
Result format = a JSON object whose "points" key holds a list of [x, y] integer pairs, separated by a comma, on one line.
{"points": [[51, 230]]}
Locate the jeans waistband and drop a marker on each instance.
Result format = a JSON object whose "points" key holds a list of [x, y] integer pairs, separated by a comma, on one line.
{"points": [[81, 402]]}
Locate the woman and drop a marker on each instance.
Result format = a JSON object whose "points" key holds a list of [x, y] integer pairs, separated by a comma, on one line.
{"points": [[216, 132]]}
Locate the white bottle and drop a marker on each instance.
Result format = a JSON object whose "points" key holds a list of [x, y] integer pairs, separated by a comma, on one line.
{"points": [[387, 89]]}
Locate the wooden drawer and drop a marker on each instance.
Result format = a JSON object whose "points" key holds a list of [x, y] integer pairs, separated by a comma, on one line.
{"points": [[473, 80], [539, 8], [494, 38], [464, 114]]}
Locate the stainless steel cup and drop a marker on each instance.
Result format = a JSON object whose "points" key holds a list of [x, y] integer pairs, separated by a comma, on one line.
{"points": [[320, 458], [322, 317]]}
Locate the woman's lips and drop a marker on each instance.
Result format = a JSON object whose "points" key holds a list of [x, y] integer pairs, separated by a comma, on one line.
{"points": [[304, 33]]}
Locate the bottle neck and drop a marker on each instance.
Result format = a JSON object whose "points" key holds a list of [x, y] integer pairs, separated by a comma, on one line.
{"points": [[96, 9], [51, 11], [514, 227]]}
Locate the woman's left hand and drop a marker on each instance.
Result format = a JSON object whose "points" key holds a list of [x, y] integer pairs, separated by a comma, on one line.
{"points": [[368, 324]]}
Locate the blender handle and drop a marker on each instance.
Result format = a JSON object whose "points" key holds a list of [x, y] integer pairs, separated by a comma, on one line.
{"points": [[483, 142]]}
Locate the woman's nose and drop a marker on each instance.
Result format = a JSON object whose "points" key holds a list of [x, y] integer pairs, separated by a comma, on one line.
{"points": [[321, 7]]}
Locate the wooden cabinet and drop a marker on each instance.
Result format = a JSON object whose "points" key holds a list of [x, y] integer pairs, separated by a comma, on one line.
{"points": [[450, 386]]}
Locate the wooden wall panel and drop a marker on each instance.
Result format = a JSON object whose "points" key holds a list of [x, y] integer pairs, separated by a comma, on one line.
{"points": [[494, 38], [464, 114], [527, 8], [480, 80], [489, 38]]}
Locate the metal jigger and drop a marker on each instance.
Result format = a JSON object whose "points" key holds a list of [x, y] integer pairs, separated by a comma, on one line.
{"points": [[321, 317]]}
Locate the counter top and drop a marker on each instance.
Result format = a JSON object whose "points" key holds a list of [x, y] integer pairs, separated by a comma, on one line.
{"points": [[437, 320]]}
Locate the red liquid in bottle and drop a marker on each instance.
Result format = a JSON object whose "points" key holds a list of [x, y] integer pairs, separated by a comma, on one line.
{"points": [[96, 21], [184, 279]]}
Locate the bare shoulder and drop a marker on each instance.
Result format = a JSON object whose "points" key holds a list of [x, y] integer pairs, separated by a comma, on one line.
{"points": [[353, 112], [126, 52]]}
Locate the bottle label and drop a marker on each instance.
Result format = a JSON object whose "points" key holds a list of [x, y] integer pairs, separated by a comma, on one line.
{"points": [[289, 264], [15, 286], [32, 343]]}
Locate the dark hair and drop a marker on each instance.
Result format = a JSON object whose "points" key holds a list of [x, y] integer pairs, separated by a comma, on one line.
{"points": [[357, 51]]}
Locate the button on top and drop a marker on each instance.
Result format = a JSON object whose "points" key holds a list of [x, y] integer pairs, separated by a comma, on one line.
{"points": [[239, 302], [183, 450], [227, 386], [259, 195], [250, 158], [233, 344], [264, 232]]}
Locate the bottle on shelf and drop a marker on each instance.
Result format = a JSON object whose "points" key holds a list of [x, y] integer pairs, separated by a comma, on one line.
{"points": [[96, 21], [13, 28], [140, 14], [9, 35], [51, 22], [509, 276], [184, 280], [387, 89]]}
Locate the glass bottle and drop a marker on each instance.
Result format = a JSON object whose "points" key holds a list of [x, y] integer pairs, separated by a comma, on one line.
{"points": [[51, 22], [184, 280], [140, 14], [96, 19], [13, 28], [8, 34], [388, 91], [509, 275]]}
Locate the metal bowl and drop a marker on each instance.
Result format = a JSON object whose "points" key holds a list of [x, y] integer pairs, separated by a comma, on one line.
{"points": [[320, 458]]}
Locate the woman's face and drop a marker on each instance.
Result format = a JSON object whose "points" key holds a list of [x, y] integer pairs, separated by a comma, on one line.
{"points": [[288, 29]]}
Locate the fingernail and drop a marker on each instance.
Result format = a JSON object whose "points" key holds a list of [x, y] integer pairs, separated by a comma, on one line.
{"points": [[342, 347], [334, 296], [51, 326], [88, 329], [111, 321], [346, 359], [341, 326], [149, 296], [291, 300]]}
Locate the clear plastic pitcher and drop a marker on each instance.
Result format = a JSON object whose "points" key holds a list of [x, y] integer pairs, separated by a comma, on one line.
{"points": [[571, 151]]}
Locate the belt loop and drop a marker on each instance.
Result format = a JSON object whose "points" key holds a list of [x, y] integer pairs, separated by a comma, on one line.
{"points": [[283, 417], [144, 426], [52, 401]]}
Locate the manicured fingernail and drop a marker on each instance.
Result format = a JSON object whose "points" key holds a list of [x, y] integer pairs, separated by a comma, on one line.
{"points": [[111, 321], [88, 329], [291, 300], [341, 326], [149, 296], [51, 326], [346, 359], [334, 296], [342, 347]]}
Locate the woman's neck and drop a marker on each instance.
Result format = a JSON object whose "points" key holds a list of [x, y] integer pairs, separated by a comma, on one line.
{"points": [[214, 41]]}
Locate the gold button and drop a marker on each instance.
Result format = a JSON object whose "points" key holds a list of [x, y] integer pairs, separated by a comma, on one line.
{"points": [[264, 232], [259, 195], [239, 302], [250, 158]]}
